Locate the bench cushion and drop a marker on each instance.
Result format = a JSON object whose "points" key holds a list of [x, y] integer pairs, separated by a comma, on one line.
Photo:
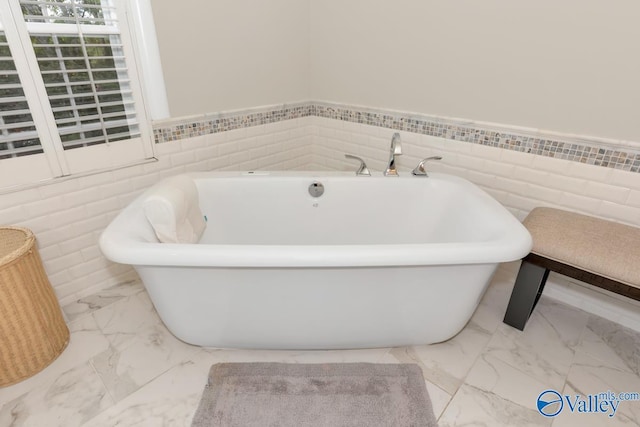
{"points": [[595, 245]]}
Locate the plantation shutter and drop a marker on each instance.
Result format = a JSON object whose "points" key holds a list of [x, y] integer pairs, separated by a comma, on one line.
{"points": [[78, 47], [24, 138], [70, 92], [17, 129]]}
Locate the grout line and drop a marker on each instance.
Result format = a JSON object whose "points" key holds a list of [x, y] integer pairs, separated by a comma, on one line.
{"points": [[104, 385]]}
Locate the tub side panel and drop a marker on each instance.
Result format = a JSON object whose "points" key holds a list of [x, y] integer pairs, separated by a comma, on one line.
{"points": [[307, 308]]}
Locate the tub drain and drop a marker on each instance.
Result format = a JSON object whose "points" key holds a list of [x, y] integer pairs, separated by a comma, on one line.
{"points": [[316, 189]]}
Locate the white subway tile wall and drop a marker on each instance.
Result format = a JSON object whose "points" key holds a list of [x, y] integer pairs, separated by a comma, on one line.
{"points": [[520, 181]]}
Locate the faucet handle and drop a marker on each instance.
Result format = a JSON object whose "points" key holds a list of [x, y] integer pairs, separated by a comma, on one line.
{"points": [[419, 170], [362, 169]]}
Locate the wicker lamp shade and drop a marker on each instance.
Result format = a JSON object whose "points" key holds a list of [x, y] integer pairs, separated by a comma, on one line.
{"points": [[32, 330]]}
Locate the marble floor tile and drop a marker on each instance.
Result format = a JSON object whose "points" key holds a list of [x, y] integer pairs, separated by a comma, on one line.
{"points": [[593, 345], [495, 376], [474, 407], [567, 322], [544, 350], [446, 364], [439, 398], [615, 343], [70, 400], [95, 302], [169, 400], [590, 376], [125, 320], [126, 370]]}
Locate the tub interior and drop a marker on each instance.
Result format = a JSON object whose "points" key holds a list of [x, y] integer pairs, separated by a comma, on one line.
{"points": [[368, 211]]}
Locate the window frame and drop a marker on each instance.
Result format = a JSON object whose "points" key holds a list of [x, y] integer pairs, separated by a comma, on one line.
{"points": [[141, 51]]}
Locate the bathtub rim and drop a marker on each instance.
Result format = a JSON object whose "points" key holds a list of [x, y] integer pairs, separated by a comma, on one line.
{"points": [[120, 243]]}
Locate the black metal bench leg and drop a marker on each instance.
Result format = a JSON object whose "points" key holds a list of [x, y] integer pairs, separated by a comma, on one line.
{"points": [[525, 295]]}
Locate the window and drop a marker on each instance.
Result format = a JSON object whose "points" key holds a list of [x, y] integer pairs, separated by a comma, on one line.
{"points": [[19, 136], [70, 101]]}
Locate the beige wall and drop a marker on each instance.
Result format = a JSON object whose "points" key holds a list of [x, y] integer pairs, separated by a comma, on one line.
{"points": [[569, 66], [229, 54]]}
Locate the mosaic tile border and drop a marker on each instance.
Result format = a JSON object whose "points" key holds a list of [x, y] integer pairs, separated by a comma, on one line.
{"points": [[617, 155], [572, 149], [173, 130]]}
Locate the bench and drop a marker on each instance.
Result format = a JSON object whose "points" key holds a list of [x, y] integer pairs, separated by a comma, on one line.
{"points": [[593, 250]]}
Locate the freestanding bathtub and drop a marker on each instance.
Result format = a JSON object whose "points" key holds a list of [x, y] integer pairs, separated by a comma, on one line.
{"points": [[373, 262]]}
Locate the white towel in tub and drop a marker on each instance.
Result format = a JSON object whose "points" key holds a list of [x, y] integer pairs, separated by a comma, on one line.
{"points": [[174, 212]]}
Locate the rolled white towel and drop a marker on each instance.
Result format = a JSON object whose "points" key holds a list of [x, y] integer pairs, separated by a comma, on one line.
{"points": [[173, 210]]}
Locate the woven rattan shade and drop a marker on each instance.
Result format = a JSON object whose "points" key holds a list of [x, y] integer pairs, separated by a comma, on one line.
{"points": [[32, 330]]}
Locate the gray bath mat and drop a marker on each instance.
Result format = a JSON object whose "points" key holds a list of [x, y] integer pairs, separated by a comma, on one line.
{"points": [[331, 395]]}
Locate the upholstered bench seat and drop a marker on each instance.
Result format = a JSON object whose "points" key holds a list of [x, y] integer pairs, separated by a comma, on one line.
{"points": [[596, 251]]}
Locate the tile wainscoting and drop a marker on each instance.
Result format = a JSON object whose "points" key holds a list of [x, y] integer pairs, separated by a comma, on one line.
{"points": [[616, 154], [522, 168], [519, 180]]}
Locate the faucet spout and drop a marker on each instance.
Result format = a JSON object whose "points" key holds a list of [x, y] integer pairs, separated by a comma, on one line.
{"points": [[396, 150]]}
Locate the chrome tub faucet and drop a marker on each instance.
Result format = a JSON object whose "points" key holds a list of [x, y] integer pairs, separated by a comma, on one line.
{"points": [[362, 169], [420, 170], [396, 150]]}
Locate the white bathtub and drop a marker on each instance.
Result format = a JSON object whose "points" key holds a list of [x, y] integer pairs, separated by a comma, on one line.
{"points": [[374, 262]]}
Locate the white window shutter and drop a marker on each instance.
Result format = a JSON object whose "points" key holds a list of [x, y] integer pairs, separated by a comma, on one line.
{"points": [[17, 129], [84, 81]]}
